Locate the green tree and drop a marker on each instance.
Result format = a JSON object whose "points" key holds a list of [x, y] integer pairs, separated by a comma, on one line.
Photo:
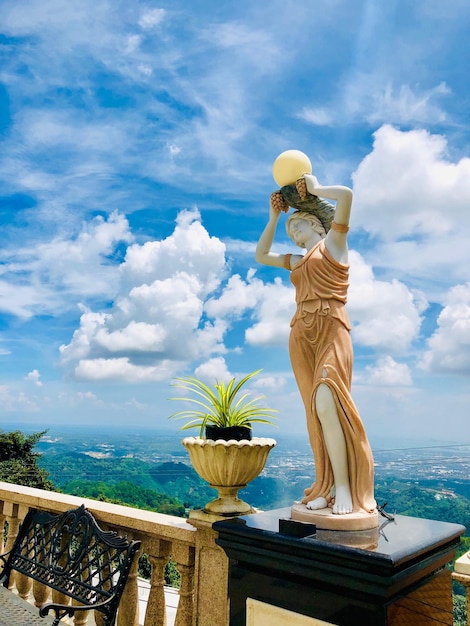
{"points": [[460, 611], [19, 462], [128, 494]]}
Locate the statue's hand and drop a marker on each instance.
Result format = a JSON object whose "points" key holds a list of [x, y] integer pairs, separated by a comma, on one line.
{"points": [[277, 202], [311, 184]]}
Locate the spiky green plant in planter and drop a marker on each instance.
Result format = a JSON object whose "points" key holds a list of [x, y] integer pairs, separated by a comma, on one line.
{"points": [[227, 460], [221, 407]]}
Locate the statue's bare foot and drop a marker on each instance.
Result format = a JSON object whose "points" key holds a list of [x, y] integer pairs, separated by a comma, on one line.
{"points": [[343, 501], [317, 504]]}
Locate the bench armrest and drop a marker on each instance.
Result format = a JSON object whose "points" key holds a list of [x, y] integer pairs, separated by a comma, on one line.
{"points": [[68, 610]]}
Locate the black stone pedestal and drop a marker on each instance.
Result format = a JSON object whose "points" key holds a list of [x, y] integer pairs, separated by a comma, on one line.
{"points": [[364, 577]]}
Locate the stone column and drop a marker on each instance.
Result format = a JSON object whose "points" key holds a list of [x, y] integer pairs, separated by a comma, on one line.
{"points": [[211, 575]]}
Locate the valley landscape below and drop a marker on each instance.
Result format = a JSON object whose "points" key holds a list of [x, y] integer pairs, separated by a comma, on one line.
{"points": [[150, 469], [418, 478]]}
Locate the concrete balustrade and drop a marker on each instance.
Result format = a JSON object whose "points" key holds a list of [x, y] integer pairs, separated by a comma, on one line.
{"points": [[203, 566]]}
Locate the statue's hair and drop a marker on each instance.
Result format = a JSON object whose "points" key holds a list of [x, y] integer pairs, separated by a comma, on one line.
{"points": [[313, 220]]}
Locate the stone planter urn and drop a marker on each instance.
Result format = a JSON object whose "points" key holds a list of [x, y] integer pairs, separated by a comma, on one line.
{"points": [[228, 466]]}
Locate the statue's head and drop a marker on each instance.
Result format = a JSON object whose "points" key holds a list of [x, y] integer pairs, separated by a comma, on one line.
{"points": [[313, 221]]}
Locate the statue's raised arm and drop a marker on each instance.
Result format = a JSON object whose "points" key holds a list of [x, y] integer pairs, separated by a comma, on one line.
{"points": [[264, 254]]}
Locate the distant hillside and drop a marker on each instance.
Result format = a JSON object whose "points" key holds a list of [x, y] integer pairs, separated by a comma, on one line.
{"points": [[75, 472], [421, 500], [86, 475], [127, 493]]}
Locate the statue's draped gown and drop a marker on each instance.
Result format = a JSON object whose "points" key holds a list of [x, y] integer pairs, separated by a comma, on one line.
{"points": [[321, 352]]}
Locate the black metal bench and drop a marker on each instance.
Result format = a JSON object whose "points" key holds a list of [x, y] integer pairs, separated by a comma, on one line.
{"points": [[71, 554]]}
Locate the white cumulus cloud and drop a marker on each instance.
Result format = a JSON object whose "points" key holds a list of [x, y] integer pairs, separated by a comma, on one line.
{"points": [[449, 346], [214, 369], [49, 276], [388, 373], [157, 323], [35, 377], [273, 315], [122, 369], [385, 314], [271, 306], [408, 186]]}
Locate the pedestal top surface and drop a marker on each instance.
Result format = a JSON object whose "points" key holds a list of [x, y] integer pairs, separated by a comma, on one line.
{"points": [[393, 542]]}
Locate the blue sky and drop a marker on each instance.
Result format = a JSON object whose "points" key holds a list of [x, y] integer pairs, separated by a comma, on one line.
{"points": [[137, 140]]}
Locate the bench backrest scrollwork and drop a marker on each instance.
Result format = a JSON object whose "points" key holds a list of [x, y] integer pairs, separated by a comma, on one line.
{"points": [[73, 555]]}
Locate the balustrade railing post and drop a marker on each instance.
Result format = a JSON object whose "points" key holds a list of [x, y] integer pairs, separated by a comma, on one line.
{"points": [[3, 519], [128, 613], [57, 596], [24, 585], [81, 617], [60, 598], [159, 554], [184, 557], [41, 593], [15, 513], [99, 618]]}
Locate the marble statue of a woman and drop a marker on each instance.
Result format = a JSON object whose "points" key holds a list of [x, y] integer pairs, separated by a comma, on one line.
{"points": [[321, 355]]}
